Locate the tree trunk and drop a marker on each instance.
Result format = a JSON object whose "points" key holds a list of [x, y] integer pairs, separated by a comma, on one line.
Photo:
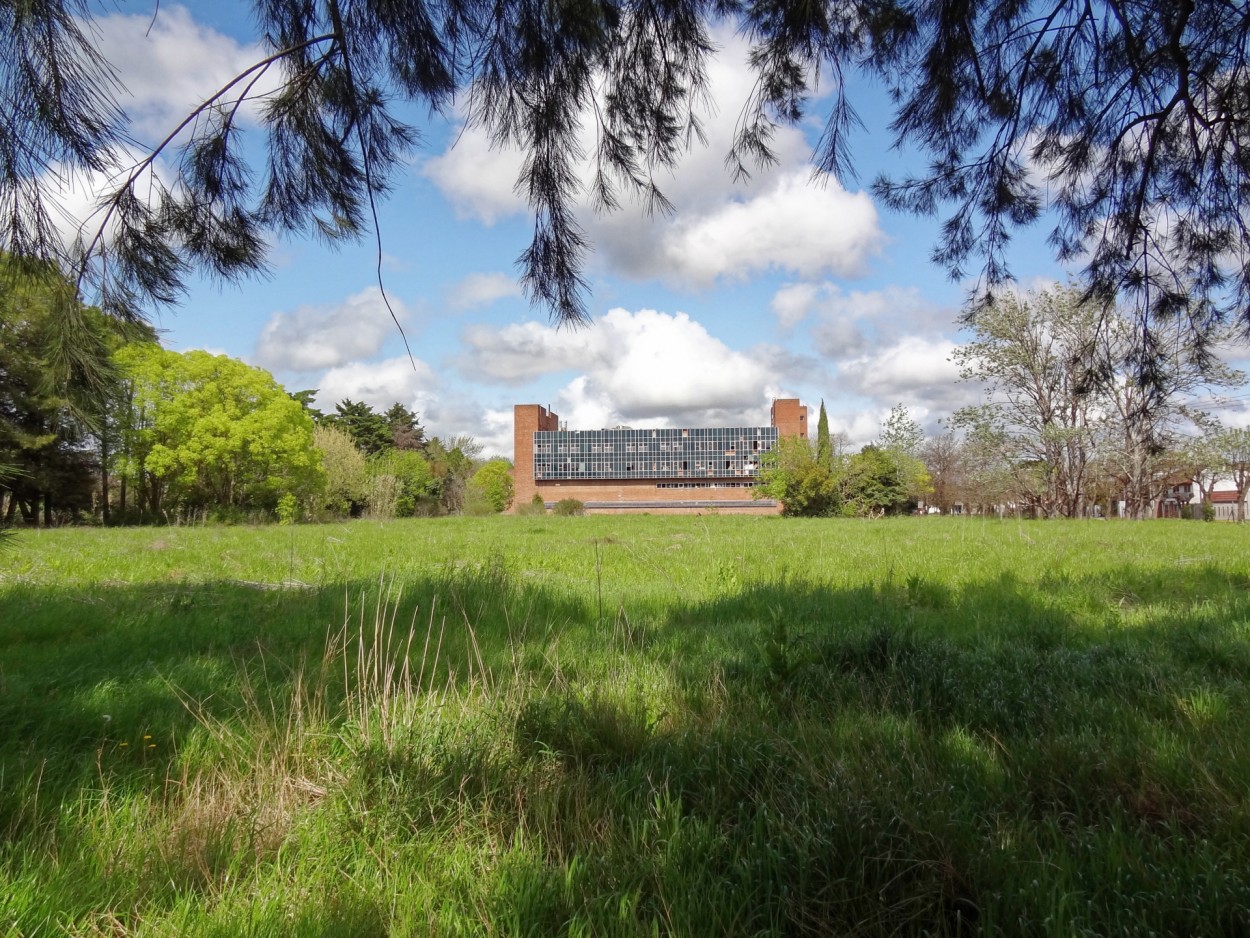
{"points": [[104, 481], [47, 509]]}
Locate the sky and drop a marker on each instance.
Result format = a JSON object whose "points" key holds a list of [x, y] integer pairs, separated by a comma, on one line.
{"points": [[792, 285]]}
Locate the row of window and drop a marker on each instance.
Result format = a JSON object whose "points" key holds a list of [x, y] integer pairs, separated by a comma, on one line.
{"points": [[640, 454]]}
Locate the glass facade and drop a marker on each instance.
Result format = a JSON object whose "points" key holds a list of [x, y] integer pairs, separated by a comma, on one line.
{"points": [[720, 453]]}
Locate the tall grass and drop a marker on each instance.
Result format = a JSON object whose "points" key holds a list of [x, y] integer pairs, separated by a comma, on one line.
{"points": [[625, 727]]}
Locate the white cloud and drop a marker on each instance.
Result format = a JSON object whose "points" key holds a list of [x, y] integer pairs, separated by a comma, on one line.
{"points": [[169, 64], [477, 178], [315, 337], [784, 219], [794, 301], [914, 371], [482, 290], [380, 384], [796, 226], [521, 352], [634, 366], [847, 324]]}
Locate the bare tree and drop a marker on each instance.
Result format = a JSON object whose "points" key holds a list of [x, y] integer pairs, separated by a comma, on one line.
{"points": [[1032, 355]]}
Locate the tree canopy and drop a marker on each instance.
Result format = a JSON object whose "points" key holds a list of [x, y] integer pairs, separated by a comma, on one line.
{"points": [[1125, 123], [207, 432]]}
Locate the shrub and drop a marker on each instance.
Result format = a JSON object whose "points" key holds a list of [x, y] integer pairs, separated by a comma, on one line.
{"points": [[288, 508], [570, 506]]}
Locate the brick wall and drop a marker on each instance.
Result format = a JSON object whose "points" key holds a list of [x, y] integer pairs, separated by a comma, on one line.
{"points": [[789, 417], [527, 419], [613, 495]]}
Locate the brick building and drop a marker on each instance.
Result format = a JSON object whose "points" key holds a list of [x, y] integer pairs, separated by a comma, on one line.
{"points": [[673, 470]]}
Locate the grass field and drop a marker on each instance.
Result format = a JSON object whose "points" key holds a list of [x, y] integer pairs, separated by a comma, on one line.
{"points": [[627, 726]]}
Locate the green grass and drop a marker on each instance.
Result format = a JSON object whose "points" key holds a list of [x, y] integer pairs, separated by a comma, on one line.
{"points": [[626, 726]]}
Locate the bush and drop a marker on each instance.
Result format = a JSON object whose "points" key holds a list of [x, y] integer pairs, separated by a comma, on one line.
{"points": [[288, 508], [570, 506]]}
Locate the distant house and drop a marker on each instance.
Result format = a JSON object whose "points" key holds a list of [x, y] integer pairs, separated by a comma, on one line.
{"points": [[1181, 499]]}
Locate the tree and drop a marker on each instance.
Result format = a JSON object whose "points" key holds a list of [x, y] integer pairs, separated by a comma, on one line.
{"points": [[902, 440], [946, 461], [1199, 458], [824, 443], [1033, 355], [209, 432], [406, 430], [53, 393], [367, 428], [1234, 449], [452, 461], [793, 475], [1143, 415], [875, 484], [346, 472], [402, 477], [1126, 123], [492, 485]]}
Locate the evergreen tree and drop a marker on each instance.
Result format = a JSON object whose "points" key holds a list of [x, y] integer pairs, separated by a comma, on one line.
{"points": [[824, 444], [367, 428], [406, 430]]}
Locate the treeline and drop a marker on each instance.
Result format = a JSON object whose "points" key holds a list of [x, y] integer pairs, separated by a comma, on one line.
{"points": [[99, 423], [1080, 415]]}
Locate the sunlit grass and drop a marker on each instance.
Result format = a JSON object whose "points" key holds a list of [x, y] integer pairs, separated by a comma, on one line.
{"points": [[626, 726]]}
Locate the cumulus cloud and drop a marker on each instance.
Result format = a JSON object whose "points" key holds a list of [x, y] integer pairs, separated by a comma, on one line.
{"points": [[380, 384], [477, 178], [169, 64], [784, 219], [315, 337], [520, 352], [915, 371], [639, 366], [794, 225], [482, 290]]}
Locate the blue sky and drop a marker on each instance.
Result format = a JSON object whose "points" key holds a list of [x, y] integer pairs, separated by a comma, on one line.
{"points": [[788, 286]]}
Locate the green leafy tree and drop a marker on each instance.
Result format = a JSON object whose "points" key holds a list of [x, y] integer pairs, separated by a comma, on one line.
{"points": [[305, 399], [346, 487], [902, 440], [492, 485], [402, 479], [1122, 123], [209, 432], [793, 475], [874, 484]]}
